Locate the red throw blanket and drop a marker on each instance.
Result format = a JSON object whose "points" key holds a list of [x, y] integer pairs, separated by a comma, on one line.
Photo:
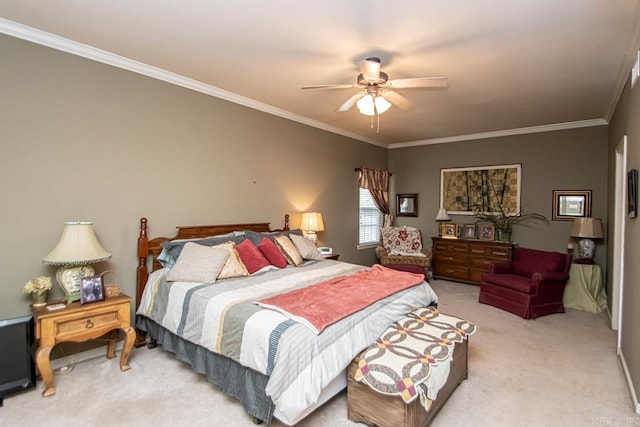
{"points": [[324, 303]]}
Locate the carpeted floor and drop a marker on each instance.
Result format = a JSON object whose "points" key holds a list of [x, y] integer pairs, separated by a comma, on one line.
{"points": [[558, 370]]}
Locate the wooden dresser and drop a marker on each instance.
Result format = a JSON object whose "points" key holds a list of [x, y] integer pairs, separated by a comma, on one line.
{"points": [[464, 260]]}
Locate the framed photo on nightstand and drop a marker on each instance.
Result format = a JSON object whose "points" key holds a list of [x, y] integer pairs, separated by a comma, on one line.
{"points": [[91, 289]]}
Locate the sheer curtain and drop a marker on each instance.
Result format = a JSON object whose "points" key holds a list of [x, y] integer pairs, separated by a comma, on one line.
{"points": [[377, 182]]}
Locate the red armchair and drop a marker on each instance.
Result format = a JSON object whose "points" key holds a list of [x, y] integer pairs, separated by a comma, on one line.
{"points": [[530, 286]]}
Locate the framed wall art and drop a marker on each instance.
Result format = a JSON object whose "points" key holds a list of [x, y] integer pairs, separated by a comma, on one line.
{"points": [[632, 193], [484, 188], [570, 204], [406, 205]]}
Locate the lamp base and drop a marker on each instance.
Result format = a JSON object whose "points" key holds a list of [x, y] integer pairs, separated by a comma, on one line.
{"points": [[311, 235], [586, 248], [68, 277]]}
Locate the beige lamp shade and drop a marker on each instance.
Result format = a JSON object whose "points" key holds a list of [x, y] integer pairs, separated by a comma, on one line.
{"points": [[443, 215], [312, 221], [77, 245], [589, 228]]}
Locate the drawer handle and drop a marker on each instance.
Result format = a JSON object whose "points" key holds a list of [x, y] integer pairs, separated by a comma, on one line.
{"points": [[89, 324]]}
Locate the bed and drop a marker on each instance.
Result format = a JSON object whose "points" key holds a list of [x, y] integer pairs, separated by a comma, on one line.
{"points": [[273, 365]]}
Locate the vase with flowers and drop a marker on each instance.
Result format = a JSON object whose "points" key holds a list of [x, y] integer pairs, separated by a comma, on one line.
{"points": [[38, 288]]}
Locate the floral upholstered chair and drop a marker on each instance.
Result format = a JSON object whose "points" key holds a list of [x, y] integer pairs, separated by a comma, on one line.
{"points": [[402, 245]]}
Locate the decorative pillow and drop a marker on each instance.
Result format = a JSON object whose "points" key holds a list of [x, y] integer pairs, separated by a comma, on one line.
{"points": [[171, 248], [401, 240], [198, 263], [234, 266], [272, 253], [256, 237], [306, 247], [289, 250], [251, 256]]}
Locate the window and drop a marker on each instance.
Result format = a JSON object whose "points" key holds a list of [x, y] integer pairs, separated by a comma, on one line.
{"points": [[369, 225]]}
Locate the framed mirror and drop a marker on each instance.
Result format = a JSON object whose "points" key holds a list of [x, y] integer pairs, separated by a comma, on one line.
{"points": [[406, 205], [570, 204]]}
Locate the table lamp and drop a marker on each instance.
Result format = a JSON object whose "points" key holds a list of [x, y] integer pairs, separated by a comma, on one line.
{"points": [[77, 247], [587, 229], [310, 223], [442, 217]]}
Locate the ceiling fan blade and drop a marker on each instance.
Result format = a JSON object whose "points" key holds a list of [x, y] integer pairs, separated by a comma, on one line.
{"points": [[350, 102], [434, 82], [397, 100], [319, 87], [370, 69]]}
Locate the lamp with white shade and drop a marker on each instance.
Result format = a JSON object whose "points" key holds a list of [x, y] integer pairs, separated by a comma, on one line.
{"points": [[77, 247], [587, 229], [442, 216], [311, 223]]}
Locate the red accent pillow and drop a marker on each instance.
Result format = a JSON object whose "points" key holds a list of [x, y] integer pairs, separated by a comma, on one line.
{"points": [[272, 253], [251, 256]]}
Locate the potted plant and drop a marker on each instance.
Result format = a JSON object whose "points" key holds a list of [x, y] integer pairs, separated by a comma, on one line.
{"points": [[504, 218]]}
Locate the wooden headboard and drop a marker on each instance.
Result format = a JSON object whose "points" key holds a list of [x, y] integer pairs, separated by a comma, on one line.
{"points": [[153, 246]]}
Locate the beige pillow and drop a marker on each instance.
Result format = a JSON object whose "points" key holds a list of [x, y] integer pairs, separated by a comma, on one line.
{"points": [[198, 263], [306, 247], [288, 249], [234, 267]]}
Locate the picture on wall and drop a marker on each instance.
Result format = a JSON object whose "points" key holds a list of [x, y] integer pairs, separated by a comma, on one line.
{"points": [[632, 193], [570, 204], [483, 188]]}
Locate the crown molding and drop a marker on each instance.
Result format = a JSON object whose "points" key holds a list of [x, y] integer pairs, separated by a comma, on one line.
{"points": [[79, 49], [499, 133]]}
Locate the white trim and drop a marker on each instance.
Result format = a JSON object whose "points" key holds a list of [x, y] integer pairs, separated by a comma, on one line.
{"points": [[79, 49], [627, 375], [506, 132], [65, 45]]}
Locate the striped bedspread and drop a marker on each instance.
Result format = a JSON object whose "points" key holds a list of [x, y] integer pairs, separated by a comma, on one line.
{"points": [[224, 318]]}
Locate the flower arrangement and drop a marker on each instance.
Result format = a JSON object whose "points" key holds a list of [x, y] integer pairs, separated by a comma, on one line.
{"points": [[39, 285]]}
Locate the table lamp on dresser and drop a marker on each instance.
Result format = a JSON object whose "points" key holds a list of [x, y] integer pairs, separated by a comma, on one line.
{"points": [[77, 247], [442, 216]]}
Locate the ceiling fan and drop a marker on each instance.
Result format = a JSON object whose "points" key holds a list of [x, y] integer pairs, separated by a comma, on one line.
{"points": [[377, 94]]}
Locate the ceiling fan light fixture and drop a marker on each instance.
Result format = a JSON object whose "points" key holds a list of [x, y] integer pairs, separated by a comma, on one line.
{"points": [[382, 104], [367, 102], [365, 105]]}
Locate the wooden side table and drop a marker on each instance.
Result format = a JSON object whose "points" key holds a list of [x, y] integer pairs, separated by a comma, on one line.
{"points": [[78, 323]]}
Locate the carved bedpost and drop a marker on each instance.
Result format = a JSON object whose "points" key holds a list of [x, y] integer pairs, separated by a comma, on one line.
{"points": [[286, 222], [142, 272]]}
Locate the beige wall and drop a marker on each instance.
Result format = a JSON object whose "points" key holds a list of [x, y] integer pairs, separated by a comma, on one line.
{"points": [[85, 141], [626, 121], [561, 160]]}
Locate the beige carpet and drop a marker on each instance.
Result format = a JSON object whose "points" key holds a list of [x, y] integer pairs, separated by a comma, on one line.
{"points": [[558, 370]]}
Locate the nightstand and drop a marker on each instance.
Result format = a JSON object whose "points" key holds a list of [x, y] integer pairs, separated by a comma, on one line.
{"points": [[332, 256], [82, 322]]}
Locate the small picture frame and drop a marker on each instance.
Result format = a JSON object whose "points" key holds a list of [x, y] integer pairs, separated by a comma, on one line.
{"points": [[449, 230], [406, 205], [469, 231], [571, 204], [486, 231], [91, 289]]}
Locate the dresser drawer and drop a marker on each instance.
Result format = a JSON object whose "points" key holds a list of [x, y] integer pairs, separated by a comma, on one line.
{"points": [[452, 271], [489, 250], [450, 258], [449, 246], [482, 263], [105, 320]]}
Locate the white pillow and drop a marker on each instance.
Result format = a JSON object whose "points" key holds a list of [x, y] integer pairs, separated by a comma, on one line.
{"points": [[198, 263], [289, 250], [234, 267], [306, 247]]}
